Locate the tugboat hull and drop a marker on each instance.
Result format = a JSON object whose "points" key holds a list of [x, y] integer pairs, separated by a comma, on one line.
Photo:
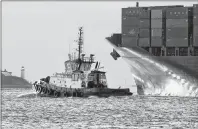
{"points": [[49, 90]]}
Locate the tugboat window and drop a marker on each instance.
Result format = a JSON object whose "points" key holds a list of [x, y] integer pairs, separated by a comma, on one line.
{"points": [[75, 77]]}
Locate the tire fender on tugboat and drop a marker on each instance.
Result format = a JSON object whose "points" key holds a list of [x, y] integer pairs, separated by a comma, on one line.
{"points": [[36, 87], [65, 94], [56, 94], [39, 89], [81, 94], [49, 91], [75, 93], [44, 90]]}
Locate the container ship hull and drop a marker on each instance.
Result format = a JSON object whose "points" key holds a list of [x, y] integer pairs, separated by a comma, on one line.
{"points": [[160, 75], [188, 73]]}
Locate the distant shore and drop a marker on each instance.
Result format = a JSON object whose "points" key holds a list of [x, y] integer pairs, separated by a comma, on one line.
{"points": [[16, 86]]}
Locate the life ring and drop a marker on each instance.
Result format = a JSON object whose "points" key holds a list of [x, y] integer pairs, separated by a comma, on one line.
{"points": [[56, 94]]}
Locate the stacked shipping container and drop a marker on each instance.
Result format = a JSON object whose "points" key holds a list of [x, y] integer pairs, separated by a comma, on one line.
{"points": [[116, 39], [166, 29], [130, 27], [157, 30], [178, 30], [195, 25], [135, 27], [144, 33]]}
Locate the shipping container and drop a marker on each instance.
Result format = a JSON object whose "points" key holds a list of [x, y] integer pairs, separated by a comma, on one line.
{"points": [[128, 41], [195, 30], [144, 33], [145, 14], [157, 32], [195, 5], [195, 11], [130, 31], [130, 21], [195, 19], [145, 23], [144, 42], [117, 39], [164, 7], [156, 42], [177, 32], [178, 12], [172, 23], [131, 12], [157, 14], [195, 41], [177, 42], [195, 8], [157, 23]]}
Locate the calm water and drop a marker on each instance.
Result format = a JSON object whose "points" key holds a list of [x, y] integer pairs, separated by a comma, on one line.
{"points": [[141, 112]]}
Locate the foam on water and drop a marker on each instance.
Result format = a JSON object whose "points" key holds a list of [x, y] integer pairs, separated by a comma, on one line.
{"points": [[27, 95], [159, 78], [93, 97]]}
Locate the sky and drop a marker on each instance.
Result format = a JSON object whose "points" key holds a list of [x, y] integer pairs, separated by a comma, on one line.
{"points": [[37, 35]]}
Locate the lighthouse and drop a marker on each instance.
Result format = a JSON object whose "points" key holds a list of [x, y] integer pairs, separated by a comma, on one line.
{"points": [[22, 72]]}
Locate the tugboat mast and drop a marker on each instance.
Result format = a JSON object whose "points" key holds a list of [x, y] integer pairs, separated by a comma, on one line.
{"points": [[80, 42]]}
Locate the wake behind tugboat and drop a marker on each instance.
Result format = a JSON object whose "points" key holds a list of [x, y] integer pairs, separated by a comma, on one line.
{"points": [[79, 79]]}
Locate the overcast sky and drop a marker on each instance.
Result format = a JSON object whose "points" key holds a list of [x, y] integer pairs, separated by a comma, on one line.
{"points": [[37, 35]]}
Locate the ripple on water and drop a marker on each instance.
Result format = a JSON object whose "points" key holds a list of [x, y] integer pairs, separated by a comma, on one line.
{"points": [[114, 112]]}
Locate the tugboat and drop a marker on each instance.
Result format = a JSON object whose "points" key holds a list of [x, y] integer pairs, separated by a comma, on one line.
{"points": [[79, 79]]}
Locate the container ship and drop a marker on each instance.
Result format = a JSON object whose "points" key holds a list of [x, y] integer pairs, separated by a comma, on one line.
{"points": [[161, 46]]}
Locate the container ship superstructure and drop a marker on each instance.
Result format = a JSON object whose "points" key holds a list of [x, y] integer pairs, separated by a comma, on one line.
{"points": [[160, 44]]}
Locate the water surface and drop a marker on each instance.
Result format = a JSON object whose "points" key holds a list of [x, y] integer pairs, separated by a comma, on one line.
{"points": [[22, 109]]}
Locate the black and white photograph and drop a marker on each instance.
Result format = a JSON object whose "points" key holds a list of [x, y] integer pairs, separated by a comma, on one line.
{"points": [[99, 64]]}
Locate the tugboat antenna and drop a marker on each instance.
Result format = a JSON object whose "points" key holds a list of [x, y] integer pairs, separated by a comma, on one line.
{"points": [[80, 42], [69, 53], [69, 48]]}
